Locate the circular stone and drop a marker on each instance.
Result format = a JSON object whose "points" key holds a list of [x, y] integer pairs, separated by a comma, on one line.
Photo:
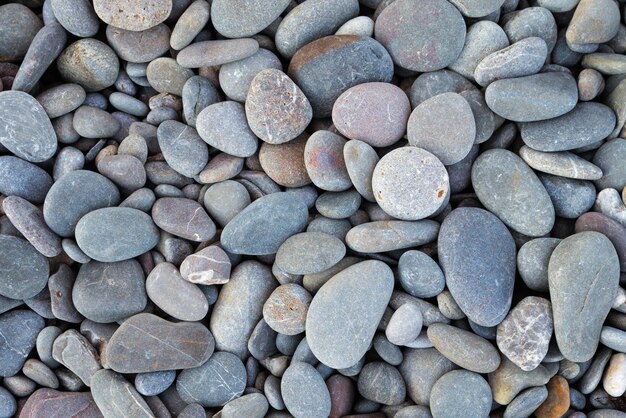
{"points": [[24, 271], [304, 392], [135, 15], [420, 275], [235, 77], [90, 63], [410, 183], [285, 310], [421, 35], [309, 253], [284, 163], [382, 383], [224, 126], [18, 27], [443, 125], [460, 394]]}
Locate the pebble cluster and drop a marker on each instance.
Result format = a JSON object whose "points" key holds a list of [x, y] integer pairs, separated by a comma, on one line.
{"points": [[311, 209]]}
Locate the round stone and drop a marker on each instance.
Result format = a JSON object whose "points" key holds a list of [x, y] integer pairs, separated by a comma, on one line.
{"points": [[184, 218], [276, 109], [532, 262], [224, 200], [91, 122], [410, 183], [360, 26], [198, 93], [420, 275], [224, 126], [165, 75], [90, 63], [324, 162], [421, 368], [125, 170], [304, 392], [382, 383], [154, 383], [361, 159], [23, 179], [143, 46], [189, 24], [235, 77], [112, 393], [18, 27], [526, 402], [593, 22], [241, 18], [590, 84], [25, 129], [530, 22], [208, 266], [24, 270], [286, 308], [375, 113], [182, 147], [421, 35], [212, 53], [284, 163], [460, 393], [8, 405], [78, 17], [309, 253], [474, 9], [131, 14], [60, 100], [253, 405], [404, 325]]}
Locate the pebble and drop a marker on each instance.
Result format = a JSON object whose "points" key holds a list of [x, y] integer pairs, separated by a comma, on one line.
{"points": [[215, 383], [211, 53], [165, 75], [509, 380], [109, 292], [265, 224], [464, 348], [8, 405], [128, 104], [511, 190], [615, 377], [221, 167], [532, 262], [482, 39], [20, 327], [610, 204], [19, 26], [404, 325], [391, 235], [189, 24], [89, 63], [176, 297], [434, 28], [610, 64], [147, 343], [558, 401], [237, 19], [360, 159], [339, 344], [324, 69], [360, 26], [116, 234], [46, 402], [75, 352], [25, 271], [420, 275], [590, 84], [190, 222], [133, 15], [235, 77], [410, 183], [23, 179], [276, 124], [420, 369], [526, 402], [60, 285], [253, 405], [208, 266], [471, 9], [586, 124], [531, 22], [480, 276], [68, 159], [224, 126], [304, 392], [582, 279], [60, 100], [446, 141], [460, 393], [309, 253], [116, 398], [78, 18], [27, 131], [564, 164], [91, 122], [224, 200], [593, 22], [286, 308], [571, 198], [613, 338], [381, 383], [324, 161], [553, 94], [284, 163], [198, 93], [609, 158]]}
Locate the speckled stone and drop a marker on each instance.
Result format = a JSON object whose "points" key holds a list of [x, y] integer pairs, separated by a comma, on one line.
{"points": [[324, 162], [583, 267], [558, 400], [237, 19], [28, 219], [19, 25], [564, 164], [46, 402], [78, 17], [25, 271], [360, 26], [593, 22], [309, 253], [410, 183], [189, 220], [590, 84], [224, 126], [509, 380], [460, 393], [284, 163], [420, 275], [529, 22], [614, 231], [382, 236], [526, 402], [221, 167], [253, 405], [165, 75], [189, 24], [208, 266], [116, 397], [610, 158], [8, 404], [615, 377], [91, 122], [381, 383], [570, 197], [182, 148], [509, 188], [23, 179], [139, 47], [304, 392], [20, 327], [532, 262], [286, 308], [62, 99], [330, 62], [74, 351], [210, 53], [235, 77], [154, 383], [90, 63], [133, 15]]}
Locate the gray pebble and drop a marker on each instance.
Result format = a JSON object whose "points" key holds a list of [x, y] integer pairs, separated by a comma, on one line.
{"points": [[19, 26], [189, 24], [23, 179], [382, 383], [189, 219], [564, 164], [532, 262], [613, 338], [529, 22], [75, 352], [324, 161], [116, 397], [404, 325], [253, 405], [60, 286], [382, 236], [570, 197], [90, 63], [460, 393], [44, 342], [286, 308], [25, 271], [128, 104], [237, 19], [182, 148], [62, 99], [154, 383], [309, 253], [431, 84], [235, 77], [464, 348], [304, 392], [39, 373], [8, 405], [420, 275], [360, 159], [609, 158], [91, 122], [167, 76], [78, 18], [133, 15], [124, 170], [526, 402], [224, 126], [198, 93], [20, 327], [211, 53], [593, 22]]}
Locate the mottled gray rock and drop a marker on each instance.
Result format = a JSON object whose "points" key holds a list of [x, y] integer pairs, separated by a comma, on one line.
{"points": [[304, 392], [262, 342], [421, 368], [606, 63], [23, 179], [133, 15], [532, 262], [253, 405], [198, 93], [583, 267], [90, 63], [91, 122], [189, 24], [224, 126], [404, 325], [24, 270], [511, 190], [237, 19], [62, 99], [309, 253], [68, 159], [360, 159], [420, 275], [165, 75], [570, 197], [324, 161], [609, 158], [382, 236], [216, 382], [564, 164], [78, 17], [382, 383], [116, 398], [526, 402], [139, 47], [431, 84], [224, 200], [529, 22], [208, 266], [478, 9], [509, 380], [286, 308], [337, 343], [75, 352], [183, 217], [460, 393], [8, 405], [593, 22], [211, 53], [360, 26], [47, 402], [235, 77], [154, 383], [613, 338], [19, 327]]}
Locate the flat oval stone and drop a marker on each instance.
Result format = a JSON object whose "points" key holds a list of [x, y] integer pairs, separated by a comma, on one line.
{"points": [[116, 234], [45, 402], [224, 200], [324, 162], [90, 63], [610, 64], [564, 164], [304, 392], [147, 343], [443, 125], [360, 292], [464, 348], [532, 262], [533, 98], [265, 224], [240, 18], [587, 123], [26, 129], [477, 255], [309, 253], [584, 267], [116, 397], [382, 383], [460, 393], [210, 53], [509, 380], [184, 218], [176, 297], [253, 405], [420, 275], [165, 75], [23, 179], [383, 236], [143, 46], [208, 266], [28, 219], [410, 183], [571, 198], [328, 62], [78, 18], [190, 23], [593, 22], [421, 35], [216, 382], [133, 15], [276, 109], [286, 308], [19, 26], [60, 100], [91, 122], [24, 270], [510, 189], [235, 77], [531, 22], [420, 369], [526, 402], [284, 163], [609, 158], [360, 159], [404, 325], [154, 383], [224, 126], [528, 325], [19, 328], [358, 113]]}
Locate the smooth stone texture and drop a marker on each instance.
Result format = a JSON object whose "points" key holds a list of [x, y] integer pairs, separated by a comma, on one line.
{"points": [[60, 100], [198, 93], [586, 124], [382, 236], [410, 183], [304, 392], [593, 22], [360, 160], [477, 9], [133, 15], [147, 343], [381, 383], [309, 253], [564, 164], [531, 22], [614, 382], [609, 158], [284, 163], [86, 190], [524, 335], [211, 53], [74, 351], [570, 197], [165, 75], [211, 265], [23, 179], [610, 204], [78, 17], [506, 186], [532, 262], [28, 220], [91, 122], [175, 296], [533, 98], [26, 129], [221, 167], [265, 224], [216, 382], [509, 380], [60, 286], [421, 35], [324, 161], [330, 62], [19, 26], [184, 218], [464, 348], [613, 338], [253, 405], [224, 126], [360, 26], [420, 275], [460, 393], [609, 64], [47, 402], [189, 24], [8, 405], [286, 308], [117, 398], [139, 47], [24, 270], [526, 402], [154, 383], [109, 292], [590, 84], [116, 234], [558, 401], [584, 267], [614, 231], [239, 306], [339, 344], [237, 19], [479, 275], [404, 325], [224, 200], [443, 125], [20, 327], [90, 63], [235, 77], [262, 342], [276, 109]]}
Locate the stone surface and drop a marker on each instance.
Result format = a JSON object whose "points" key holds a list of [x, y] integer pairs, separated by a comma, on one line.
{"points": [[304, 392], [571, 198], [324, 161], [184, 218], [253, 405], [615, 377], [165, 75], [421, 368], [182, 148], [564, 164], [224, 126], [284, 163], [116, 398], [20, 327], [19, 26], [235, 77], [46, 402], [208, 266], [482, 39], [237, 19], [75, 352], [609, 158], [526, 402], [210, 53], [23, 179], [90, 63], [593, 22], [285, 310], [509, 380], [189, 24], [139, 47], [60, 286], [24, 270], [309, 253], [404, 325], [379, 382], [460, 393], [420, 275], [532, 262], [133, 15], [147, 343], [558, 401], [28, 219], [60, 100]]}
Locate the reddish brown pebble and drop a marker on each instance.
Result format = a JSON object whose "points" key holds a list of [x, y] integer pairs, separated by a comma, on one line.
{"points": [[558, 400], [284, 163]]}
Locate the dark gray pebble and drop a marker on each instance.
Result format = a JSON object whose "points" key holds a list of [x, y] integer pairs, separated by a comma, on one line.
{"points": [[25, 270], [23, 179], [20, 327]]}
